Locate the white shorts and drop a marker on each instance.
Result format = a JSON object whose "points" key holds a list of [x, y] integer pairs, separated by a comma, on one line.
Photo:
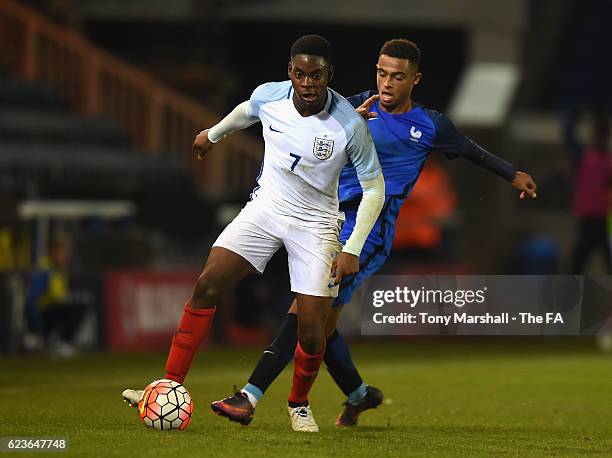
{"points": [[258, 232]]}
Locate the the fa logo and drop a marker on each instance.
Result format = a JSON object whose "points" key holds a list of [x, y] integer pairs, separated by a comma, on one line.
{"points": [[322, 148], [415, 134]]}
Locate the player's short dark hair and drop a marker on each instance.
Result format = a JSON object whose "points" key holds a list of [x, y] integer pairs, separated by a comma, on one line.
{"points": [[401, 48], [314, 45]]}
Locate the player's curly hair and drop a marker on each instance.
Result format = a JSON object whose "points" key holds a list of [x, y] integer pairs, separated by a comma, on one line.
{"points": [[314, 45], [401, 48]]}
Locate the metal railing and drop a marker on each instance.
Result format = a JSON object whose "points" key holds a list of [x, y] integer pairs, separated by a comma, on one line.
{"points": [[155, 117]]}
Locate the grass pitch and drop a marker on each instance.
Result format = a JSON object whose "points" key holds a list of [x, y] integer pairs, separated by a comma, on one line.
{"points": [[443, 398]]}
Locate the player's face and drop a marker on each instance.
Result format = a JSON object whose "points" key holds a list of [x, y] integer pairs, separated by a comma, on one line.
{"points": [[310, 76], [395, 79]]}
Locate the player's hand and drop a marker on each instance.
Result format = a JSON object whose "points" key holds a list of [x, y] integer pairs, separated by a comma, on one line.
{"points": [[202, 145], [524, 183], [364, 108], [344, 264]]}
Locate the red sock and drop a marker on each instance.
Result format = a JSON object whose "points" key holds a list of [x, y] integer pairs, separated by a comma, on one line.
{"points": [[305, 370], [193, 328]]}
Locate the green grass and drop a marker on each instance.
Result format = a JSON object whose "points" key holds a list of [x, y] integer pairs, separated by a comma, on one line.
{"points": [[443, 398]]}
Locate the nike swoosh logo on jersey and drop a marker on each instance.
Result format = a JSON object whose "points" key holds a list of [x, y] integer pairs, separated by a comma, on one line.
{"points": [[274, 130]]}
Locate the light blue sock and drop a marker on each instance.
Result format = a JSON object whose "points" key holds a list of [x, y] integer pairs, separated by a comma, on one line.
{"points": [[254, 391], [358, 395]]}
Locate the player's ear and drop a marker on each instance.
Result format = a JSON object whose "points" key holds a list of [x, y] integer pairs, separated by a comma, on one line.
{"points": [[417, 78], [289, 67]]}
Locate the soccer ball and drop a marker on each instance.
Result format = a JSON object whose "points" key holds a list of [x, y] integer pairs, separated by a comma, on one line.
{"points": [[165, 405]]}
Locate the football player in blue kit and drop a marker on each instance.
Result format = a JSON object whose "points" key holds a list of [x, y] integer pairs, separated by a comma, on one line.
{"points": [[405, 133]]}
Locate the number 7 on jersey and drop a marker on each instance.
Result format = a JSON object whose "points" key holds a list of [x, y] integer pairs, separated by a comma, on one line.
{"points": [[295, 162]]}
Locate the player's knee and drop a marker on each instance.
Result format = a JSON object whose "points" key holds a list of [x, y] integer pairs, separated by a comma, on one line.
{"points": [[311, 338], [207, 292]]}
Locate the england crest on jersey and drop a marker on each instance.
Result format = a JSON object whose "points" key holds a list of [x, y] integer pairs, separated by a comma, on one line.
{"points": [[323, 148]]}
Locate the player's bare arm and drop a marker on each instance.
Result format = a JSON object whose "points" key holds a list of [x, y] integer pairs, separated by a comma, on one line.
{"points": [[343, 265], [364, 108], [524, 183], [202, 144]]}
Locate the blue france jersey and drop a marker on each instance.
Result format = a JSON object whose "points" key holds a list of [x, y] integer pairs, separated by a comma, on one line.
{"points": [[403, 142]]}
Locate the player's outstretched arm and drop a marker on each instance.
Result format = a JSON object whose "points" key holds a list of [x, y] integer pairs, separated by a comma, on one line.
{"points": [[238, 119], [455, 144], [520, 180]]}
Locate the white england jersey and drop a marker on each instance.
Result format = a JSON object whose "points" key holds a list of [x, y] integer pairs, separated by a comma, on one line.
{"points": [[304, 155]]}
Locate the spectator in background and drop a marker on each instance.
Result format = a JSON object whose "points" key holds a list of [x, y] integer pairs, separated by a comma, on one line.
{"points": [[50, 310], [592, 167]]}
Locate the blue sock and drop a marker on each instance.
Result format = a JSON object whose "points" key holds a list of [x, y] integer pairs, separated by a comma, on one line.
{"points": [[340, 366], [254, 391], [358, 395]]}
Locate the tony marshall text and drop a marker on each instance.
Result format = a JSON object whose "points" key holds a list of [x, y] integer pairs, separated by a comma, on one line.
{"points": [[464, 318]]}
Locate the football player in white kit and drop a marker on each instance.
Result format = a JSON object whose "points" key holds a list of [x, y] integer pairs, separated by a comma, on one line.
{"points": [[310, 133]]}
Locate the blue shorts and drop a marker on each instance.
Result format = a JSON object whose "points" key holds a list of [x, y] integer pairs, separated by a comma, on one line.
{"points": [[376, 249]]}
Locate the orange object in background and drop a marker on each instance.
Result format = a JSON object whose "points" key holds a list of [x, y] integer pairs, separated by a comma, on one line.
{"points": [[431, 202]]}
